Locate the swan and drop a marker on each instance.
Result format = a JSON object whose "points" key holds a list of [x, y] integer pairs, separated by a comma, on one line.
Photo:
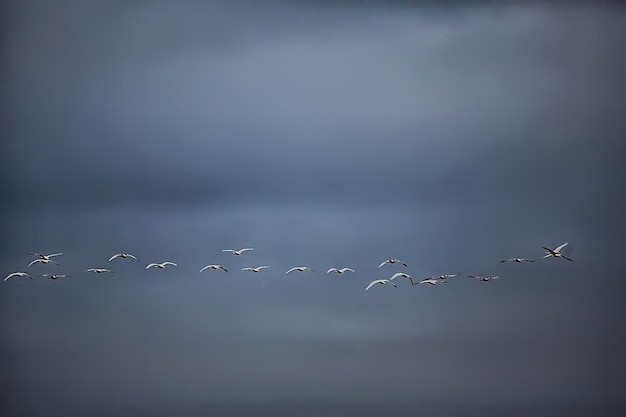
{"points": [[42, 256], [17, 274], [237, 252], [213, 267], [43, 261], [484, 279], [339, 271], [123, 256], [54, 276], [402, 275], [98, 270], [556, 252], [379, 281], [300, 268], [392, 261], [162, 265], [257, 269]]}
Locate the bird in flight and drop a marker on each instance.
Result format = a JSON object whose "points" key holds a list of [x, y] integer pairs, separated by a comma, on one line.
{"points": [[432, 281], [212, 266], [47, 257], [54, 276], [257, 269], [442, 277], [300, 268], [484, 279], [43, 261], [237, 252], [402, 275], [517, 260], [123, 256], [379, 281], [162, 265], [392, 261], [339, 271], [556, 252], [17, 274], [98, 270]]}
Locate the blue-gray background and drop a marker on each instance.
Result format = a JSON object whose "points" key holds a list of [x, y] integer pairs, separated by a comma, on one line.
{"points": [[324, 134]]}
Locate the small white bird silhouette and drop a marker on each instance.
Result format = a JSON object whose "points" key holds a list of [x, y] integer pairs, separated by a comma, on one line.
{"points": [[162, 265], [556, 252], [517, 260], [339, 271], [392, 261], [442, 277], [43, 261], [17, 274], [123, 256], [402, 275], [379, 281], [42, 256], [237, 252], [213, 266], [484, 279], [431, 281], [54, 276], [257, 269], [98, 270], [300, 268]]}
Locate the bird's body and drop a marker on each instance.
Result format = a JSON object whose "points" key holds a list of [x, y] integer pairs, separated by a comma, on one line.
{"points": [[339, 271], [54, 276], [484, 279], [237, 252], [402, 275], [213, 266], [300, 268], [392, 261], [123, 256], [556, 252], [161, 265], [517, 260], [256, 269], [18, 274], [379, 281], [99, 270], [43, 261]]}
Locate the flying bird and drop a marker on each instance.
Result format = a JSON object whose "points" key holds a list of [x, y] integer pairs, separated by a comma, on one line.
{"points": [[54, 276], [431, 281], [204, 268], [392, 261], [484, 279], [98, 270], [162, 265], [518, 260], [237, 252], [17, 274], [257, 269], [442, 277], [339, 271], [402, 275], [379, 281], [123, 256], [43, 261], [300, 268], [42, 256], [556, 252]]}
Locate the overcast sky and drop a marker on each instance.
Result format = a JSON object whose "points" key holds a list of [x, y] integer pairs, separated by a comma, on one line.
{"points": [[327, 134]]}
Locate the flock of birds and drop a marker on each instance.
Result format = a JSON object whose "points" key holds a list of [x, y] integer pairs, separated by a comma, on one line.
{"points": [[432, 280]]}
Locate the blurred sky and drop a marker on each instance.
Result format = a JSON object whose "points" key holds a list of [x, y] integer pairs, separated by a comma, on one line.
{"points": [[327, 134]]}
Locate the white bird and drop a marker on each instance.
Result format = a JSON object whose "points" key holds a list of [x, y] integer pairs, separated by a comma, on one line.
{"points": [[484, 279], [339, 271], [237, 252], [43, 261], [54, 276], [162, 265], [98, 270], [518, 260], [392, 261], [379, 281], [257, 269], [300, 268], [442, 277], [123, 255], [17, 274], [402, 275], [204, 268], [431, 281], [42, 256], [556, 252]]}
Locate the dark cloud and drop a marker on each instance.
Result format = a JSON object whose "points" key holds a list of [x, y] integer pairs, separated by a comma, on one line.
{"points": [[321, 135]]}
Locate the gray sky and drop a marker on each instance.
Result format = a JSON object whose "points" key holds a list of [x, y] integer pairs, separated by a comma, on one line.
{"points": [[326, 134]]}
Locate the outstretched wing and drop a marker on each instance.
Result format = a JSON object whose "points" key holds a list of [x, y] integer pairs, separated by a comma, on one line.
{"points": [[558, 248], [384, 263], [295, 268], [61, 253], [117, 255], [371, 284], [169, 263], [152, 265]]}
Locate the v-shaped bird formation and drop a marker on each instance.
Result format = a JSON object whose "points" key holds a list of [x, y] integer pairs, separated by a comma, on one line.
{"points": [[431, 280]]}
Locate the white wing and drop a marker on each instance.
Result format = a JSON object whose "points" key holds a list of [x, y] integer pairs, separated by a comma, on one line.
{"points": [[35, 261], [54, 254], [384, 262], [229, 250], [245, 250], [18, 274], [558, 248], [399, 275], [295, 268], [247, 269], [168, 263], [332, 270], [347, 269], [152, 265], [262, 267], [206, 267], [117, 255], [376, 281]]}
